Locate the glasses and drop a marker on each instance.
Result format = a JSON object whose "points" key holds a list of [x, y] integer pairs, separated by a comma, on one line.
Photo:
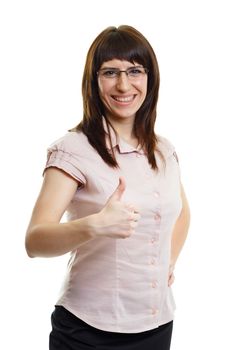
{"points": [[133, 73]]}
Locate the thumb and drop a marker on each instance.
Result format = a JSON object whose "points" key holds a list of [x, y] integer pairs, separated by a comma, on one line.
{"points": [[117, 194]]}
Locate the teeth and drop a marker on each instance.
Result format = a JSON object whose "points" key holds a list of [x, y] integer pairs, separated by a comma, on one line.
{"points": [[124, 99]]}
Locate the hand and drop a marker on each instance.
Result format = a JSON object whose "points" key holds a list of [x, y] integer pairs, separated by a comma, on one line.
{"points": [[171, 277], [117, 219]]}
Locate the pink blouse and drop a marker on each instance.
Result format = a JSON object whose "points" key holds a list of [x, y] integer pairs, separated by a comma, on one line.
{"points": [[120, 285]]}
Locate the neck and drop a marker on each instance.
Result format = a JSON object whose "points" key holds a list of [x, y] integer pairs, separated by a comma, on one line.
{"points": [[124, 128]]}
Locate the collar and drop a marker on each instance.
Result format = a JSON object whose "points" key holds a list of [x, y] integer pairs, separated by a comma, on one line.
{"points": [[118, 142]]}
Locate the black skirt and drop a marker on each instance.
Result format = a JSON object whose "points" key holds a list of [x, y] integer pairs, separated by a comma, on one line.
{"points": [[71, 333]]}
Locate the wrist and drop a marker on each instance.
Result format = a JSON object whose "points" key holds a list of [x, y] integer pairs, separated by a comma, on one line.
{"points": [[82, 229], [92, 225]]}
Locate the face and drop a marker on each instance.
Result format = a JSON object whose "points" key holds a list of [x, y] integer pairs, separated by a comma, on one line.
{"points": [[122, 94]]}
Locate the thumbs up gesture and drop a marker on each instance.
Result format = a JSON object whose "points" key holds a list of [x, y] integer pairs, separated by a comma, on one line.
{"points": [[117, 194], [117, 219]]}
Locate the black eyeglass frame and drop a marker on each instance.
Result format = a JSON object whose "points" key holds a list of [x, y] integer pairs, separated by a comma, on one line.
{"points": [[118, 71]]}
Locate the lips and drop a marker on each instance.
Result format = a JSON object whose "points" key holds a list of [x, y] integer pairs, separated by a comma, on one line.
{"points": [[124, 99]]}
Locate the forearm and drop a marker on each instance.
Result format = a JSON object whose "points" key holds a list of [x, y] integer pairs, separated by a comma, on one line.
{"points": [[180, 231], [47, 237], [55, 239]]}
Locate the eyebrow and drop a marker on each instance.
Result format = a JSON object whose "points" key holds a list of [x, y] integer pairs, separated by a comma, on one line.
{"points": [[120, 69]]}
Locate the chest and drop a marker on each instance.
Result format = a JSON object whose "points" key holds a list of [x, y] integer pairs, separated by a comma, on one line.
{"points": [[150, 190]]}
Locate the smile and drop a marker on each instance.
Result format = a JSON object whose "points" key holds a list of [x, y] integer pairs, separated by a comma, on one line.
{"points": [[124, 99]]}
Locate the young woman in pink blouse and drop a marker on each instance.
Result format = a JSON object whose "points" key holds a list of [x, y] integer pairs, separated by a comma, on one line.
{"points": [[127, 214]]}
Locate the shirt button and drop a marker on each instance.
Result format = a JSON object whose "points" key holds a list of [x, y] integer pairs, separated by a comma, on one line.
{"points": [[157, 216], [152, 262], [154, 311], [155, 238], [154, 284], [156, 194]]}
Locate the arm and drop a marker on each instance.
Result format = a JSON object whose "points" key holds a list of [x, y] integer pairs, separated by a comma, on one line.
{"points": [[179, 234], [47, 237]]}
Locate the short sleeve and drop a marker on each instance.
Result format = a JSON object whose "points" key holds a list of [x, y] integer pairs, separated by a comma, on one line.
{"points": [[64, 154], [167, 149]]}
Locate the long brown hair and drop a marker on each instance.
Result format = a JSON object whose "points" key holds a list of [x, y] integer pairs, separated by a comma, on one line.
{"points": [[123, 43]]}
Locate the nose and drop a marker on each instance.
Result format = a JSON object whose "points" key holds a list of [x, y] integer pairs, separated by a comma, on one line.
{"points": [[123, 83]]}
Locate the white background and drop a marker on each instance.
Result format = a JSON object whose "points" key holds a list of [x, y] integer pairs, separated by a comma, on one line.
{"points": [[43, 47]]}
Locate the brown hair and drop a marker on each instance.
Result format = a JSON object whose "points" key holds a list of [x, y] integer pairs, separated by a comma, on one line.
{"points": [[123, 43]]}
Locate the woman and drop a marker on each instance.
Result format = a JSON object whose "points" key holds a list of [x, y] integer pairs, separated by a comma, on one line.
{"points": [[128, 216]]}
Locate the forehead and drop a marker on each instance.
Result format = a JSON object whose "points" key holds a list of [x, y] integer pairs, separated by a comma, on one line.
{"points": [[116, 63]]}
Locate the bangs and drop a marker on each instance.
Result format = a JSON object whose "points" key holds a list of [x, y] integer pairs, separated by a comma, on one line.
{"points": [[119, 46], [123, 43]]}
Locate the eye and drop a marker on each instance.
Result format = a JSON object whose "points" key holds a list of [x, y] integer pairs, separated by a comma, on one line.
{"points": [[136, 71], [109, 73]]}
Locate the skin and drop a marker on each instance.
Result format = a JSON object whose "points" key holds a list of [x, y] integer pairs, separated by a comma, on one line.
{"points": [[179, 234], [122, 98], [47, 237]]}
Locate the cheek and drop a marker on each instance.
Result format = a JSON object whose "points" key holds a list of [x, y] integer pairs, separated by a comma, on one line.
{"points": [[104, 90], [143, 93], [100, 88], [104, 86], [103, 95], [145, 87], [142, 87]]}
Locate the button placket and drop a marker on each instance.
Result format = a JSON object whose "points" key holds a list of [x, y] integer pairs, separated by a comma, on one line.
{"points": [[153, 259], [157, 218], [156, 233]]}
